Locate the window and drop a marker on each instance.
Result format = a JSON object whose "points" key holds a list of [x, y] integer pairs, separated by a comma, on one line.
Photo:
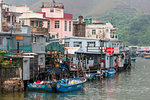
{"points": [[93, 32], [65, 25], [32, 23], [66, 44], [69, 25], [100, 31], [8, 18], [23, 22], [37, 23], [91, 44], [57, 24], [41, 60], [40, 24], [52, 10], [34, 39], [12, 19], [112, 36], [7, 9], [107, 30], [53, 36], [48, 24], [77, 44], [116, 36]]}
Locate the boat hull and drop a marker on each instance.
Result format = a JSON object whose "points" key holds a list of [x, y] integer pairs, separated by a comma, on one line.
{"points": [[147, 57], [48, 87], [133, 59], [110, 72], [36, 86], [67, 88]]}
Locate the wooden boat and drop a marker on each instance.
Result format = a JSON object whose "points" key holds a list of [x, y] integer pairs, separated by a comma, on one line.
{"points": [[38, 86], [67, 85], [109, 72]]}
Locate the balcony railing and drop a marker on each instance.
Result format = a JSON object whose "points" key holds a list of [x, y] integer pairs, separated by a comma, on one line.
{"points": [[35, 30], [15, 28]]}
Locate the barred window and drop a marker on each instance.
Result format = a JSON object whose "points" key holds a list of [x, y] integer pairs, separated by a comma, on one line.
{"points": [[66, 44], [77, 44], [52, 10], [65, 25], [93, 32], [69, 25], [91, 44], [57, 24]]}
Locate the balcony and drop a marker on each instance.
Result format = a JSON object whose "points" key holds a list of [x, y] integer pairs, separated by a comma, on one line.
{"points": [[13, 28], [39, 30]]}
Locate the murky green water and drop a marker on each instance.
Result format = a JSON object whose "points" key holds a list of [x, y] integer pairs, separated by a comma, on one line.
{"points": [[129, 85]]}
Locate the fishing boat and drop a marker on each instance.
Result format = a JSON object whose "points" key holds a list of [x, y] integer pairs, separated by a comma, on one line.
{"points": [[48, 87], [133, 59], [109, 72], [67, 85], [39, 85], [147, 56], [90, 76]]}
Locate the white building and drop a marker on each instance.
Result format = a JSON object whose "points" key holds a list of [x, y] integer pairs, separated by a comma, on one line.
{"points": [[32, 19], [104, 31], [10, 18]]}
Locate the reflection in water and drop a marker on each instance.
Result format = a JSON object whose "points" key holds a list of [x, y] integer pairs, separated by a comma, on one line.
{"points": [[128, 85], [11, 96], [52, 96]]}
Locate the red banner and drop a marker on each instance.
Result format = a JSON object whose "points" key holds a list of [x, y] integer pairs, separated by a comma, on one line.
{"points": [[110, 50]]}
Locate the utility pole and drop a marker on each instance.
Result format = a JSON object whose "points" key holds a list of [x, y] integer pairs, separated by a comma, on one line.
{"points": [[100, 53]]}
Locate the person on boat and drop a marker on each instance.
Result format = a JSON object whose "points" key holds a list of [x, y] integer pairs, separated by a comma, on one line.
{"points": [[115, 63], [102, 63]]}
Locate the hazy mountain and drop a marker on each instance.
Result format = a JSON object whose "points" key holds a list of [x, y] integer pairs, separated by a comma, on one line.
{"points": [[87, 7]]}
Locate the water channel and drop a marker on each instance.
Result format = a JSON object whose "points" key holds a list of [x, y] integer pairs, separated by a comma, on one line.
{"points": [[133, 84]]}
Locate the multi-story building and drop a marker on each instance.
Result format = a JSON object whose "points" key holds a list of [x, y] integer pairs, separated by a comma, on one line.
{"points": [[32, 19], [9, 19], [79, 27], [103, 31], [60, 23]]}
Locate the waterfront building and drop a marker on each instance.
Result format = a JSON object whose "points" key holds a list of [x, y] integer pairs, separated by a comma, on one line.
{"points": [[25, 42], [34, 20], [103, 31], [90, 50], [79, 27], [9, 19], [60, 23]]}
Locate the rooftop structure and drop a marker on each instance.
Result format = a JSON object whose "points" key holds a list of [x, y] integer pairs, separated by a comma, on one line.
{"points": [[52, 4], [61, 24]]}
